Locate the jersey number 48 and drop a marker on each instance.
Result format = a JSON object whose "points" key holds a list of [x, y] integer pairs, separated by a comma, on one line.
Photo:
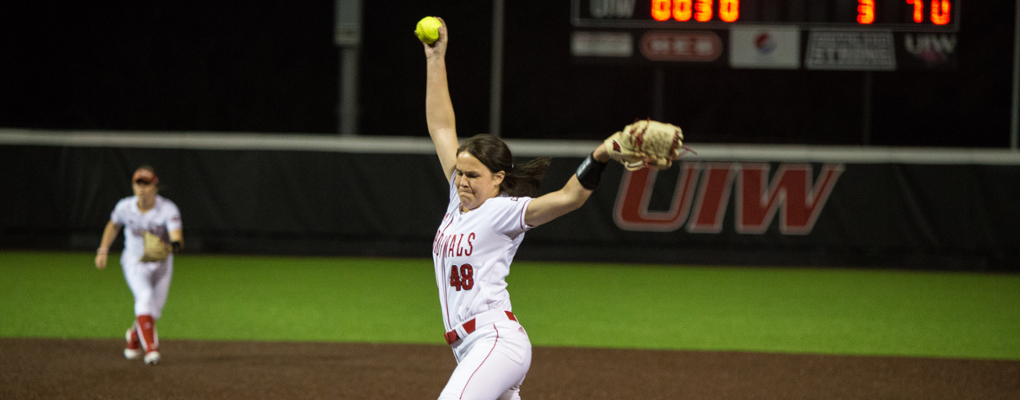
{"points": [[463, 280]]}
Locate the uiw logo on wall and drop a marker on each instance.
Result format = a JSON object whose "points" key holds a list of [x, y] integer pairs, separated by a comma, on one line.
{"points": [[703, 192]]}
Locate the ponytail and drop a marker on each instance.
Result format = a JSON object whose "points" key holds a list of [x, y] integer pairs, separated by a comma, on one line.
{"points": [[493, 152], [525, 180]]}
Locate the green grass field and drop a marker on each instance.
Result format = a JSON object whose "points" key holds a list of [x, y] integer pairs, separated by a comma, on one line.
{"points": [[827, 311]]}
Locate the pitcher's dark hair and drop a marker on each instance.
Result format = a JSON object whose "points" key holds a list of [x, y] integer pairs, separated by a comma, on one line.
{"points": [[520, 180]]}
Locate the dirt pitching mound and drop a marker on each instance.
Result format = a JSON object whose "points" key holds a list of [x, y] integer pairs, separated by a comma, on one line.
{"points": [[96, 369]]}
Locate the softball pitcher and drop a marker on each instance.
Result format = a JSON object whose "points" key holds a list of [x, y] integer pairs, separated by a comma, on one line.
{"points": [[492, 205], [144, 213]]}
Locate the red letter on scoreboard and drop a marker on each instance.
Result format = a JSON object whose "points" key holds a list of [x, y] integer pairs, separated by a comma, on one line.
{"points": [[660, 10], [703, 10], [682, 10], [940, 17], [729, 10], [918, 10], [865, 11]]}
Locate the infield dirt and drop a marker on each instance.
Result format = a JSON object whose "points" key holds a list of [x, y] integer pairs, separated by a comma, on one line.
{"points": [[96, 369]]}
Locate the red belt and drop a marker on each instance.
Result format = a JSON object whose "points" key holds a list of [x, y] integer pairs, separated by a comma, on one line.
{"points": [[469, 327]]}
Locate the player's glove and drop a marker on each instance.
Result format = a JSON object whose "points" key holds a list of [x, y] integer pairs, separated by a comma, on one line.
{"points": [[646, 143], [155, 248]]}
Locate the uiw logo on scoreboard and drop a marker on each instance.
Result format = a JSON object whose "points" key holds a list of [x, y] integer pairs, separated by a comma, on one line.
{"points": [[703, 192]]}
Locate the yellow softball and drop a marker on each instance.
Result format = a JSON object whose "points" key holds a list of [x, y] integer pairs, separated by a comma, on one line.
{"points": [[428, 30]]}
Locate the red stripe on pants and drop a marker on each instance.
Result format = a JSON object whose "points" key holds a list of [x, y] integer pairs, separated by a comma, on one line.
{"points": [[147, 327]]}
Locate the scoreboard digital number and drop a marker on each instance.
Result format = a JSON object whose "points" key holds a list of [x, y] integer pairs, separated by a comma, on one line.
{"points": [[914, 15], [878, 35]]}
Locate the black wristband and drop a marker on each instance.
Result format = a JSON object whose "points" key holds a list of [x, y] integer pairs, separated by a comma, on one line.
{"points": [[178, 246], [590, 172]]}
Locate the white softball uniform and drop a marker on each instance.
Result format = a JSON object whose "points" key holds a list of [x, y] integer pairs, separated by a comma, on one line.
{"points": [[472, 252], [149, 281]]}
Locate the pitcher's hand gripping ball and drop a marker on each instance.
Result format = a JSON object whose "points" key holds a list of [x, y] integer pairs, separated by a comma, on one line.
{"points": [[155, 248], [646, 143], [428, 30]]}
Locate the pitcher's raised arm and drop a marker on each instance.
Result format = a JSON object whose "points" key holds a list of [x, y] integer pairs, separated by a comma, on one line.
{"points": [[438, 107]]}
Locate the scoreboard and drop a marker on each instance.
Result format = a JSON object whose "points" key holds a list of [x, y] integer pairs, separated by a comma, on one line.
{"points": [[867, 35], [908, 15]]}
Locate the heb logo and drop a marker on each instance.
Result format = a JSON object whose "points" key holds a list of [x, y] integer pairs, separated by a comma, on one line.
{"points": [[681, 46], [791, 193]]}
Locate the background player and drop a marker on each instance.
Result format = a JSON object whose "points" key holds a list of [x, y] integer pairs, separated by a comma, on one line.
{"points": [[491, 207], [146, 211]]}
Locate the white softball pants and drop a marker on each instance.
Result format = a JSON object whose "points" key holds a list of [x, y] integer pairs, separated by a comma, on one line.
{"points": [[491, 363], [150, 284]]}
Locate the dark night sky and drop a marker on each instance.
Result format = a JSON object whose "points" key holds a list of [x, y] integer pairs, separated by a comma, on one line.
{"points": [[262, 66]]}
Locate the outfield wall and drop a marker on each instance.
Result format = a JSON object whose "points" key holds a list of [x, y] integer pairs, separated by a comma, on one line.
{"points": [[325, 195]]}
